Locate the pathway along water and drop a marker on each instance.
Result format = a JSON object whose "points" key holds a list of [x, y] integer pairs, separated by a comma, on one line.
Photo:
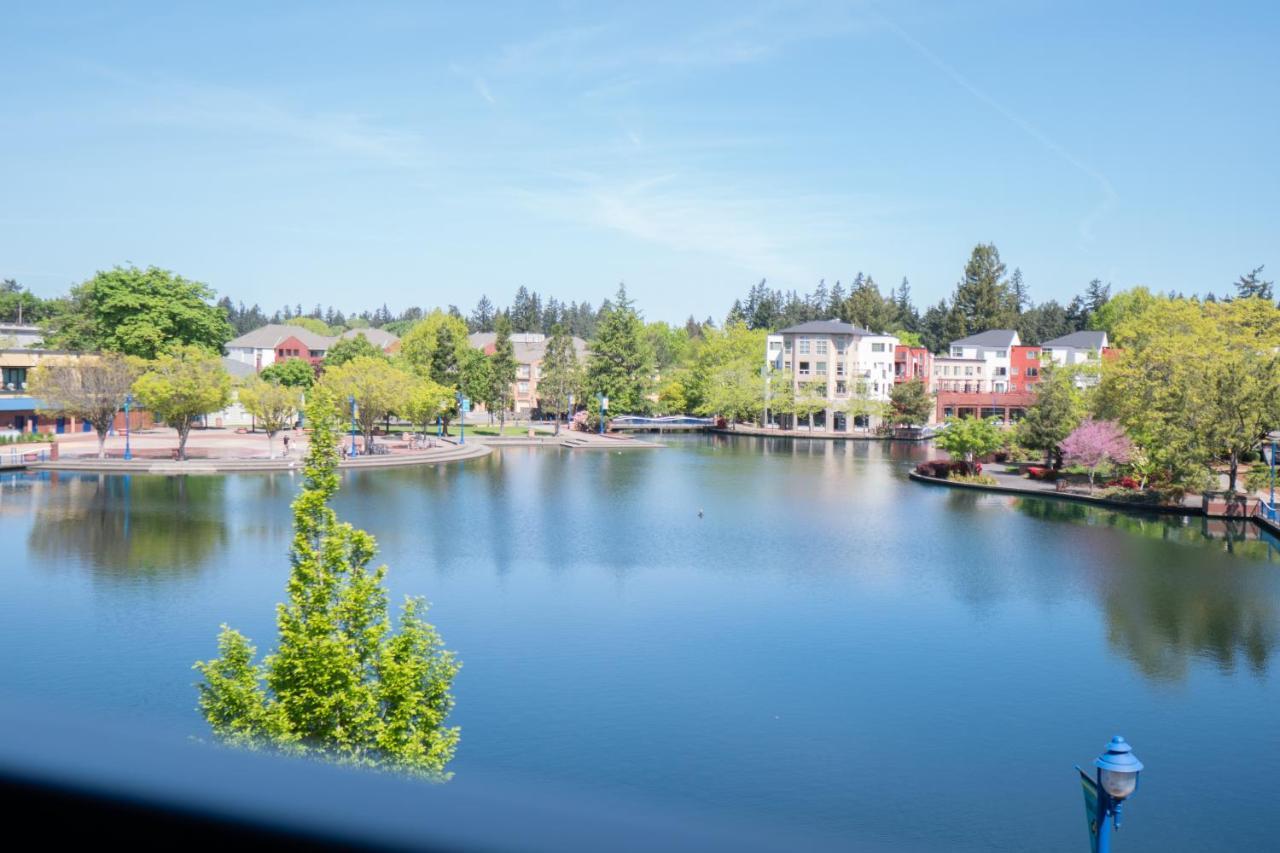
{"points": [[830, 648]]}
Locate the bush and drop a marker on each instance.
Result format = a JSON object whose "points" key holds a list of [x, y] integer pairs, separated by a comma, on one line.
{"points": [[974, 479], [1046, 474], [943, 469], [1000, 456], [1124, 483], [26, 438]]}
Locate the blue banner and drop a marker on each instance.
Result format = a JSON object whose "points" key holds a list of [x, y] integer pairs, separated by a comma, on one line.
{"points": [[1090, 808]]}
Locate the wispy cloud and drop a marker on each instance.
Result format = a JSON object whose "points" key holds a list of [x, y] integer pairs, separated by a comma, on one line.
{"points": [[483, 88]]}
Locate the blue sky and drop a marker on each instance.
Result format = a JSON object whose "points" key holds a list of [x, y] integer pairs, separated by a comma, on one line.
{"points": [[423, 154]]}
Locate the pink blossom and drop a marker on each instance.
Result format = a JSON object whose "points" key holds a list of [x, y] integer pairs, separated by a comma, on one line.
{"points": [[1094, 443]]}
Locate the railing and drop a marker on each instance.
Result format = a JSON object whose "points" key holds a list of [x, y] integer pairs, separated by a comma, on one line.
{"points": [[1268, 511]]}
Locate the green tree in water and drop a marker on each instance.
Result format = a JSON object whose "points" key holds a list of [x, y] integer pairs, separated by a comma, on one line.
{"points": [[342, 685]]}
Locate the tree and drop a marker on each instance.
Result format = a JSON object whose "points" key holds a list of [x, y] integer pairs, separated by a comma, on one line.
{"points": [[865, 306], [982, 298], [139, 312], [482, 317], [292, 372], [418, 344], [346, 349], [502, 369], [443, 367], [475, 380], [807, 400], [92, 388], [426, 401], [1054, 414], [1094, 444], [1252, 285], [377, 387], [181, 386], [736, 392], [968, 438], [313, 324], [1118, 311], [342, 684], [911, 403], [274, 406], [733, 349], [860, 405], [620, 364], [561, 374]]}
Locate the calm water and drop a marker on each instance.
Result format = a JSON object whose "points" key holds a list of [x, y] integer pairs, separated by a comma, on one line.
{"points": [[832, 648]]}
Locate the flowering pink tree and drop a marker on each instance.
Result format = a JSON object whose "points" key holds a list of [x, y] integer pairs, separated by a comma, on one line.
{"points": [[1094, 444]]}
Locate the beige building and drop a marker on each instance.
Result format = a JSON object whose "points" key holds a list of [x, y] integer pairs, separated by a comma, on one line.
{"points": [[530, 348], [843, 361]]}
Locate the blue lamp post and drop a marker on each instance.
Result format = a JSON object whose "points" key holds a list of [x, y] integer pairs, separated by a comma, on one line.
{"points": [[463, 405], [352, 400], [1115, 781], [1272, 511], [604, 404], [128, 451]]}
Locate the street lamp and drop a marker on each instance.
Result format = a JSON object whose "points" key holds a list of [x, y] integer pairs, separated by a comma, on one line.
{"points": [[604, 404], [1115, 782], [463, 405], [352, 400], [128, 451], [1271, 511], [764, 374]]}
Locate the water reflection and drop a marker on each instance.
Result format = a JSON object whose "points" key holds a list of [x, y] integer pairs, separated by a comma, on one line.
{"points": [[1168, 606], [123, 526]]}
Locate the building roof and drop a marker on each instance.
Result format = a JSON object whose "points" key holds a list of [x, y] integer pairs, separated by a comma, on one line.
{"points": [[827, 327], [990, 338], [270, 336], [528, 347], [380, 338], [237, 369], [1079, 340]]}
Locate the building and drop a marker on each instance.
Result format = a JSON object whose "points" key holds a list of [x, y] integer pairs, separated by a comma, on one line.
{"points": [[1078, 349], [234, 415], [20, 412], [986, 375], [913, 363], [843, 362], [529, 349], [277, 342]]}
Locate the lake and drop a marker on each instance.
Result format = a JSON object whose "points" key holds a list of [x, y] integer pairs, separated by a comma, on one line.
{"points": [[830, 648]]}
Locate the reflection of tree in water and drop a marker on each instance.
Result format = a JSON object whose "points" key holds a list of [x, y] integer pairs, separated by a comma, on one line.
{"points": [[126, 525], [1167, 605]]}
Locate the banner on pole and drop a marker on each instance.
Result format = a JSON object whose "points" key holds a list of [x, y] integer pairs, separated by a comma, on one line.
{"points": [[1090, 808]]}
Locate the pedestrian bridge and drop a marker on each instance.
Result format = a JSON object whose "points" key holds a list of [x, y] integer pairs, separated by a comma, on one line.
{"points": [[671, 423]]}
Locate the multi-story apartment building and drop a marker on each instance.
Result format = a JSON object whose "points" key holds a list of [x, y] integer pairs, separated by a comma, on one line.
{"points": [[985, 375], [913, 363], [1078, 349], [529, 348], [841, 362], [277, 342]]}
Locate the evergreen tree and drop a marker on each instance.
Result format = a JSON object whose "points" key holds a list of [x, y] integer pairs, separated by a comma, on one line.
{"points": [[982, 298], [444, 358], [502, 369], [482, 317], [1018, 290], [1252, 285], [620, 365], [561, 374], [1096, 295], [342, 684], [835, 302], [737, 314], [907, 318], [933, 327], [1077, 315], [1054, 414]]}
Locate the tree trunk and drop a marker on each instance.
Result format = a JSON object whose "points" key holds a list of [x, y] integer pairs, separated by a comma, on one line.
{"points": [[1232, 471], [184, 430], [271, 451], [102, 443]]}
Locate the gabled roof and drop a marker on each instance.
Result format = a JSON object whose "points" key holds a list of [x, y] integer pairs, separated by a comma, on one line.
{"points": [[527, 347], [1079, 340], [270, 336], [237, 369], [827, 327], [990, 338], [378, 337]]}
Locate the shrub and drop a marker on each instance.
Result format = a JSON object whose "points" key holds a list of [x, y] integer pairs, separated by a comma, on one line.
{"points": [[1038, 473], [974, 479], [943, 469], [1124, 483], [1000, 456]]}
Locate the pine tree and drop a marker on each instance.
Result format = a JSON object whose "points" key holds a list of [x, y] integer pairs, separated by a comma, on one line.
{"points": [[481, 319], [620, 365], [982, 299], [1096, 295], [342, 684], [444, 358], [561, 374], [1018, 290], [502, 369], [1252, 285]]}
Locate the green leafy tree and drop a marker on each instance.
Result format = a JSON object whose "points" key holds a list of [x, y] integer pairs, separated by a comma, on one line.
{"points": [[292, 372], [92, 388], [807, 400], [342, 684], [910, 403], [620, 363], [139, 312], [183, 385], [426, 401], [734, 349], [502, 369], [968, 438], [672, 398], [347, 349], [418, 344], [1057, 411], [273, 406], [561, 375], [475, 381], [313, 324], [377, 386]]}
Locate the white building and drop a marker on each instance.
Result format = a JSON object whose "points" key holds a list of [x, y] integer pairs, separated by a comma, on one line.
{"points": [[277, 342], [994, 349], [1078, 349], [843, 362]]}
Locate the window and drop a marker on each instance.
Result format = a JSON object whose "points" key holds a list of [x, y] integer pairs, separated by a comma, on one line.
{"points": [[841, 345], [1000, 371], [968, 370], [877, 347], [822, 368], [524, 387], [1013, 371], [804, 368], [839, 368], [522, 371], [956, 352], [1033, 371], [774, 346], [1002, 353], [1013, 386], [786, 365], [822, 347], [804, 346], [842, 387]]}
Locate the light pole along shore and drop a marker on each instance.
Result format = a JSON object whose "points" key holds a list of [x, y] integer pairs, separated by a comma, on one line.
{"points": [[1115, 780]]}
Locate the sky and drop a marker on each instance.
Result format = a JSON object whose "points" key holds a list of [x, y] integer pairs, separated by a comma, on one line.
{"points": [[425, 154]]}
